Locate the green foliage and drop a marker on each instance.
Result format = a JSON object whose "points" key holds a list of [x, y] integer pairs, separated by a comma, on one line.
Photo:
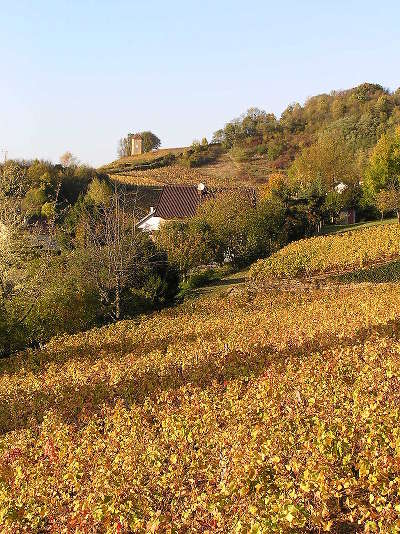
{"points": [[48, 210], [383, 172], [200, 154], [68, 297], [187, 244], [201, 278], [150, 141], [243, 230], [228, 215], [255, 123], [240, 154], [328, 163], [42, 174], [43, 294], [33, 201], [67, 304], [47, 191], [75, 180], [388, 200], [99, 192], [359, 116], [13, 181], [334, 203], [275, 148], [293, 118]]}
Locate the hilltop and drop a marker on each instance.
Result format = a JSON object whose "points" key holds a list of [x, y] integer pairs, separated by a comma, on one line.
{"points": [[262, 410], [248, 149]]}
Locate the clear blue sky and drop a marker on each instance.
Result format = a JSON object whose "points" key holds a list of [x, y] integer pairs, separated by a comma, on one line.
{"points": [[78, 75]]}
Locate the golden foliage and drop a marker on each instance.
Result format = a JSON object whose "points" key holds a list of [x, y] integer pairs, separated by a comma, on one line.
{"points": [[270, 413], [276, 182], [331, 253]]}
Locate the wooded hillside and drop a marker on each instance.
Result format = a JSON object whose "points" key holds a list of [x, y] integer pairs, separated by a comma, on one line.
{"points": [[257, 143]]}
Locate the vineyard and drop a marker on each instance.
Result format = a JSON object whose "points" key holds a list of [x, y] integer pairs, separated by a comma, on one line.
{"points": [[349, 250], [144, 170], [247, 413], [140, 159]]}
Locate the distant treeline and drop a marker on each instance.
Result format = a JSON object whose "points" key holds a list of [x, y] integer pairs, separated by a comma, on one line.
{"points": [[359, 115]]}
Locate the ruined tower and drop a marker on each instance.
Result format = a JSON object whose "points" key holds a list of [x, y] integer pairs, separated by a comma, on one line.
{"points": [[137, 144]]}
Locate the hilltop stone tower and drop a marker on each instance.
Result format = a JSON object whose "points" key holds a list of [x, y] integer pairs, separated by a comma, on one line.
{"points": [[137, 144]]}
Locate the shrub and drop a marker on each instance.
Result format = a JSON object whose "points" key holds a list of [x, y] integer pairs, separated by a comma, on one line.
{"points": [[243, 230], [34, 200], [200, 154], [240, 154], [48, 210], [262, 150]]}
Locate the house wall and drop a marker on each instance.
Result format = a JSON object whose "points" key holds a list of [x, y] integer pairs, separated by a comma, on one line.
{"points": [[151, 224]]}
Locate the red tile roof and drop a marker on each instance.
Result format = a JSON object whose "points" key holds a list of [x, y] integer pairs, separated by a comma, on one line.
{"points": [[182, 201], [178, 202]]}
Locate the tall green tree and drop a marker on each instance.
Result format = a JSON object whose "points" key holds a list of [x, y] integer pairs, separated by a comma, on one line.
{"points": [[188, 244], [383, 171], [388, 200], [328, 163], [382, 179]]}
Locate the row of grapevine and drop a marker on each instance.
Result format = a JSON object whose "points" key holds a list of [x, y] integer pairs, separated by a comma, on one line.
{"points": [[269, 413], [353, 249]]}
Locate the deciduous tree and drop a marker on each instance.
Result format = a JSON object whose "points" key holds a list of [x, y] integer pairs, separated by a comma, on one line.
{"points": [[383, 172], [388, 200], [150, 141]]}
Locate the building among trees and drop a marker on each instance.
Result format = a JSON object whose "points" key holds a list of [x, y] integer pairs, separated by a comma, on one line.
{"points": [[137, 144], [179, 202], [175, 202]]}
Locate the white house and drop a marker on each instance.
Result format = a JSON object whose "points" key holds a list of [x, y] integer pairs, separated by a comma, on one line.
{"points": [[150, 222]]}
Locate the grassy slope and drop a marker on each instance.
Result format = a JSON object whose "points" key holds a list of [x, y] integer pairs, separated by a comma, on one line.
{"points": [[338, 228], [266, 410]]}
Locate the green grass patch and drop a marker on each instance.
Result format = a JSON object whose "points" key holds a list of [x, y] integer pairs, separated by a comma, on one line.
{"points": [[339, 228], [389, 272]]}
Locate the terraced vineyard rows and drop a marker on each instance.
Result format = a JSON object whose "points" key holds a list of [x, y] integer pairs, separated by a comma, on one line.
{"points": [[221, 173], [172, 174], [253, 413], [331, 253]]}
